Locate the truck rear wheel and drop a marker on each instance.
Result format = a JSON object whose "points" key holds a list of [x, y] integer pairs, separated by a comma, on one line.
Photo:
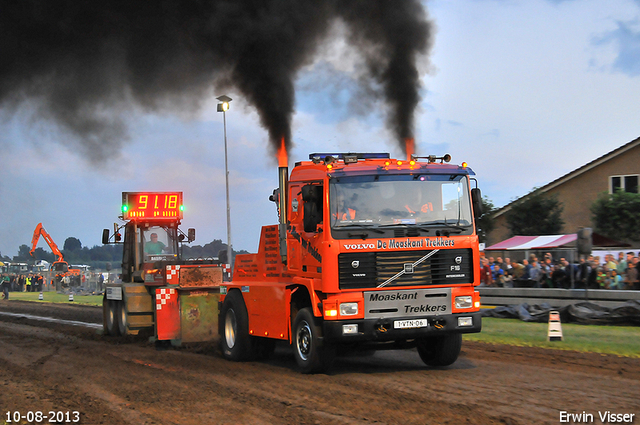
{"points": [[441, 350], [234, 332], [311, 353]]}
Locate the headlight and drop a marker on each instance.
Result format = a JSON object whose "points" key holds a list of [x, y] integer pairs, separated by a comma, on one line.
{"points": [[348, 309], [349, 329], [464, 302], [465, 321]]}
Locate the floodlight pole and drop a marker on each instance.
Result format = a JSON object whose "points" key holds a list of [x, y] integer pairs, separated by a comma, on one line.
{"points": [[222, 107], [226, 172]]}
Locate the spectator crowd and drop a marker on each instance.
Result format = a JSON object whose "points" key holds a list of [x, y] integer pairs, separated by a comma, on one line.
{"points": [[591, 273]]}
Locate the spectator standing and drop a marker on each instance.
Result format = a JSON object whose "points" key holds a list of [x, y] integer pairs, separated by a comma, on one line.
{"points": [[526, 274], [5, 281], [611, 262], [558, 277], [631, 276], [485, 273], [621, 267], [535, 274], [497, 275], [636, 282], [615, 280]]}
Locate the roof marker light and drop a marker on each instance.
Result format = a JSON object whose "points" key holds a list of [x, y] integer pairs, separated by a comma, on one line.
{"points": [[464, 165]]}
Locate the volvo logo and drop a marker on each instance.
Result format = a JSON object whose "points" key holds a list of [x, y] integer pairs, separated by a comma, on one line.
{"points": [[459, 260], [355, 264]]}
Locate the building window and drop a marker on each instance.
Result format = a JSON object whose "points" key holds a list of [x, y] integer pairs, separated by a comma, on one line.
{"points": [[627, 183]]}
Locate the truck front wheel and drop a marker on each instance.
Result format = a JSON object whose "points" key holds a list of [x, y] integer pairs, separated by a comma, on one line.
{"points": [[441, 350], [312, 355], [235, 339]]}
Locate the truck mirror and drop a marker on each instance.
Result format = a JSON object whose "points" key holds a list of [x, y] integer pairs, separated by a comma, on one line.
{"points": [[105, 236], [312, 198], [476, 200], [191, 235]]}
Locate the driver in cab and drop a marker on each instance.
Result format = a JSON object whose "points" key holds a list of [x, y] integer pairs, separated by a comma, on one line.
{"points": [[155, 246], [344, 212]]}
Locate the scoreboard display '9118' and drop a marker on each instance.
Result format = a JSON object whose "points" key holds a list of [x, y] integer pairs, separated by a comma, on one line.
{"points": [[152, 205]]}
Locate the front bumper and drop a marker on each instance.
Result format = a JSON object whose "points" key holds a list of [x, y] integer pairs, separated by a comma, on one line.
{"points": [[381, 330]]}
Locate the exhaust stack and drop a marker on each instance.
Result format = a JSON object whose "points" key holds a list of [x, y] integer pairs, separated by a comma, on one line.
{"points": [[283, 183]]}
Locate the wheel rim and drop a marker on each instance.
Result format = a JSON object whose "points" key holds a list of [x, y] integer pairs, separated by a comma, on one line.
{"points": [[303, 339], [123, 319], [230, 328], [111, 317]]}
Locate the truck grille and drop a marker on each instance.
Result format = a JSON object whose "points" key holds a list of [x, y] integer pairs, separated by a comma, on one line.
{"points": [[370, 269]]}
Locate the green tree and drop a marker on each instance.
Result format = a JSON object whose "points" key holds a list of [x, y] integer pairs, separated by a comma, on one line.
{"points": [[41, 254], [485, 221], [23, 254], [72, 244], [535, 214], [617, 215]]}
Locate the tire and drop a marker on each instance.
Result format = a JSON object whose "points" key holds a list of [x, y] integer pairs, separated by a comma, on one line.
{"points": [[441, 350], [109, 321], [311, 354], [121, 317], [234, 328]]}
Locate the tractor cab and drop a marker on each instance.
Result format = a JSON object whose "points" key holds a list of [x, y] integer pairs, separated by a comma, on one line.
{"points": [[151, 234]]}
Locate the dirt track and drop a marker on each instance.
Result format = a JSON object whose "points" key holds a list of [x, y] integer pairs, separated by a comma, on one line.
{"points": [[51, 367]]}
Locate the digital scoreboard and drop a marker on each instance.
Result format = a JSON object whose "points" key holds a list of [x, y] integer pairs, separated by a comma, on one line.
{"points": [[152, 205]]}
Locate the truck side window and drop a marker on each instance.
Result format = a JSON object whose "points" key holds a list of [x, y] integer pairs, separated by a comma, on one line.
{"points": [[312, 198]]}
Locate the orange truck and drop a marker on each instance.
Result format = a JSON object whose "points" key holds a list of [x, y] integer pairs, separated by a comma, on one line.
{"points": [[369, 253]]}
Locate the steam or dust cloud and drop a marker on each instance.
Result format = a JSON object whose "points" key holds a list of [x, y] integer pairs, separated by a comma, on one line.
{"points": [[86, 64]]}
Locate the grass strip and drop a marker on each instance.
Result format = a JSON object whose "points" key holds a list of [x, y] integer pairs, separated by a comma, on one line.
{"points": [[615, 340], [54, 297]]}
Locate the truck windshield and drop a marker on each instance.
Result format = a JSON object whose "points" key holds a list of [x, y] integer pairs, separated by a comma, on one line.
{"points": [[400, 200]]}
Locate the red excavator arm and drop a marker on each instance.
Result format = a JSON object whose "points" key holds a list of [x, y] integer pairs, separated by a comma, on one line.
{"points": [[36, 236]]}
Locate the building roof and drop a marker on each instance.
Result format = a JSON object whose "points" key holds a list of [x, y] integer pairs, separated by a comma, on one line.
{"points": [[551, 241], [573, 174], [533, 242]]}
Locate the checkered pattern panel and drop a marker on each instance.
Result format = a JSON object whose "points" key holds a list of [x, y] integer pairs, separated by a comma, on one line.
{"points": [[173, 275], [163, 295]]}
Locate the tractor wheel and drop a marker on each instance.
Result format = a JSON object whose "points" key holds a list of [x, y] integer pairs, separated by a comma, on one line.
{"points": [[121, 312], [109, 320], [441, 350]]}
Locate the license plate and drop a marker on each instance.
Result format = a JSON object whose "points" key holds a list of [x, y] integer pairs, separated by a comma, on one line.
{"points": [[407, 324]]}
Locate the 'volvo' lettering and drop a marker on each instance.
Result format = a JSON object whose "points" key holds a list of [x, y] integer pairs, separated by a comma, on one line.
{"points": [[360, 246]]}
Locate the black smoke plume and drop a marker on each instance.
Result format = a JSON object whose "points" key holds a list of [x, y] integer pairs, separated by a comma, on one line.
{"points": [[87, 65]]}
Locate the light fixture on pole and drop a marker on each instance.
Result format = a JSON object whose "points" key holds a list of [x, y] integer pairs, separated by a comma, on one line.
{"points": [[224, 107]]}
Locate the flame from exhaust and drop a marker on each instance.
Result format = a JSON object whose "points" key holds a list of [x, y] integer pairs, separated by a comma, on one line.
{"points": [[409, 147], [283, 157]]}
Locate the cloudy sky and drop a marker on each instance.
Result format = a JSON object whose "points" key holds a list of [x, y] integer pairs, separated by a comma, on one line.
{"points": [[525, 91]]}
